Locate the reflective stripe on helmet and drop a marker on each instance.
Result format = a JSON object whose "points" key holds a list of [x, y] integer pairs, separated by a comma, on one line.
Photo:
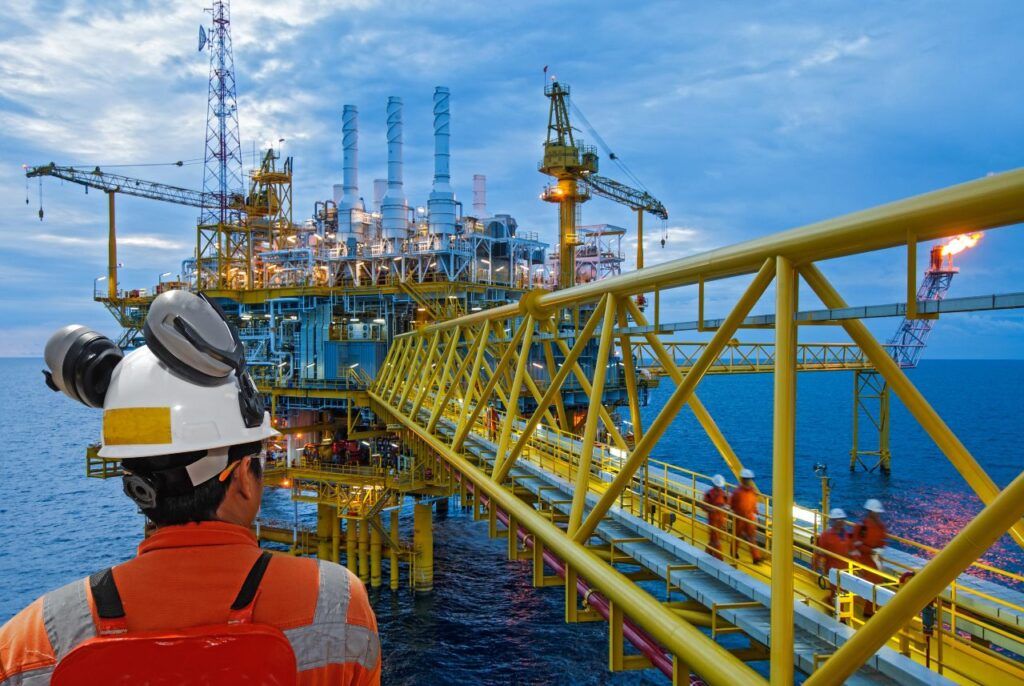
{"points": [[137, 426], [329, 639], [67, 617]]}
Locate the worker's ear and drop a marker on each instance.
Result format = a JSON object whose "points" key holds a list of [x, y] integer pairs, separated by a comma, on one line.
{"points": [[245, 481]]}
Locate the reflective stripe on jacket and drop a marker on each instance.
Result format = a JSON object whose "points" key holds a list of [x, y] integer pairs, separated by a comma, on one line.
{"points": [[184, 576]]}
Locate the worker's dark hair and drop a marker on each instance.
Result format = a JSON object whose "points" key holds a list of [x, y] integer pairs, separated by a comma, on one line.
{"points": [[198, 504]]}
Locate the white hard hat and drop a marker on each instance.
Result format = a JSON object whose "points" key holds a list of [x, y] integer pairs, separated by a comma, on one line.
{"points": [[718, 480], [149, 411], [873, 505], [837, 513], [747, 474]]}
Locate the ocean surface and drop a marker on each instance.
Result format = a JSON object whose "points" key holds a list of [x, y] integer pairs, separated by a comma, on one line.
{"points": [[484, 623]]}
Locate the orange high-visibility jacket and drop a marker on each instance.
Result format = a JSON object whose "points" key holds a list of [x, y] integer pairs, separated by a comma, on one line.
{"points": [[871, 533], [744, 502], [186, 576]]}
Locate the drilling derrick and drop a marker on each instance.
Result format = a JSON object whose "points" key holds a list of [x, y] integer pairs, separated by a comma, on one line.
{"points": [[565, 159]]}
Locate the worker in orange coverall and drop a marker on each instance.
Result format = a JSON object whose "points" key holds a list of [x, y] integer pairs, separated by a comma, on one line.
{"points": [[868, 538], [744, 505], [833, 545], [715, 499]]}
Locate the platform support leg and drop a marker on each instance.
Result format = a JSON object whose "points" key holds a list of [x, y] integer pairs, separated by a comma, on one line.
{"points": [[375, 551], [393, 533], [423, 545]]}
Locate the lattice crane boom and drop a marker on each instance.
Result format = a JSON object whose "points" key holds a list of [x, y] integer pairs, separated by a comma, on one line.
{"points": [[116, 183], [624, 195]]}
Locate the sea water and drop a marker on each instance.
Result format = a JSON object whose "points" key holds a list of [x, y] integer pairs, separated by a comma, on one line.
{"points": [[484, 623]]}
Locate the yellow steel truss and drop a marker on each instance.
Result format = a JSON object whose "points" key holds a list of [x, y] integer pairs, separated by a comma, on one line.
{"points": [[428, 379]]}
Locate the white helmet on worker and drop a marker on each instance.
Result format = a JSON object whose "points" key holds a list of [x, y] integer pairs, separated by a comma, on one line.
{"points": [[837, 513], [186, 391], [747, 474], [718, 480], [873, 505]]}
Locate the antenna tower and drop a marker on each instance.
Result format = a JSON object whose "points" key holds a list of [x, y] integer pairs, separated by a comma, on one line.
{"points": [[222, 174]]}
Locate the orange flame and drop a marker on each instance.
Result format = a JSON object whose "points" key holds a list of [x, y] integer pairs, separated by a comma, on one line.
{"points": [[958, 244]]}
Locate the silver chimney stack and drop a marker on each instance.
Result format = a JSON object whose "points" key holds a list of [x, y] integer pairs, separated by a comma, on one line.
{"points": [[479, 196], [350, 186], [380, 187], [394, 208], [441, 204]]}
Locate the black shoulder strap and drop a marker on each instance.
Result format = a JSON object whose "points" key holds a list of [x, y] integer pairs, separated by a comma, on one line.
{"points": [[252, 582], [105, 595]]}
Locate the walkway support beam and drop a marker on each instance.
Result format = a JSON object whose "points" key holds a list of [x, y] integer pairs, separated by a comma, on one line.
{"points": [[784, 441], [926, 416]]}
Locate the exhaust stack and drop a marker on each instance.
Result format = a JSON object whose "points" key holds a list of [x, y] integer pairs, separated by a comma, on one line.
{"points": [[380, 187], [479, 196], [350, 186], [441, 203], [395, 208]]}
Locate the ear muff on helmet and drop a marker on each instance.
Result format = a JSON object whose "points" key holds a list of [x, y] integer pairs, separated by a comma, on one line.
{"points": [[80, 363], [192, 336]]}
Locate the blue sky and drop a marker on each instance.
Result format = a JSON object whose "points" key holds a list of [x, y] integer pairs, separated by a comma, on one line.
{"points": [[745, 118]]}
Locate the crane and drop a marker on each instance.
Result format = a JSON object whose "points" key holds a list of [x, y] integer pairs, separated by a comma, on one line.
{"points": [[574, 167], [112, 184]]}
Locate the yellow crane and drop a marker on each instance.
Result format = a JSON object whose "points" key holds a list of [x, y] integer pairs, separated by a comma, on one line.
{"points": [[574, 167]]}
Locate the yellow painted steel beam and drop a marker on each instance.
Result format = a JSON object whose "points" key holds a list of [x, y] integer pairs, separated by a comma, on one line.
{"points": [[704, 417], [967, 546], [422, 372], [584, 382], [713, 662], [512, 407], [474, 376], [784, 442], [926, 416], [628, 368], [432, 378], [986, 203], [455, 380], [549, 360], [467, 424], [676, 400], [604, 348], [554, 391]]}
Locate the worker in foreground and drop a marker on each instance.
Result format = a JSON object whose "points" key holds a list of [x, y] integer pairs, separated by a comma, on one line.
{"points": [[832, 547], [744, 506], [867, 539], [715, 500], [200, 603]]}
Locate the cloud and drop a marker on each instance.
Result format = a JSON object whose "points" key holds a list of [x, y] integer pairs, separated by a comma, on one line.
{"points": [[147, 242]]}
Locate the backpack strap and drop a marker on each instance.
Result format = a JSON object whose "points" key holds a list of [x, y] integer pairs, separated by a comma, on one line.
{"points": [[109, 608], [242, 608]]}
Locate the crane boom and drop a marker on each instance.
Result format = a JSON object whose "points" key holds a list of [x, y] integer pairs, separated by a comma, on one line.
{"points": [[624, 195], [115, 183]]}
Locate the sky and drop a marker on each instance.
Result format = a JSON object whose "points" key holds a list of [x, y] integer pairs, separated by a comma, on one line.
{"points": [[745, 118]]}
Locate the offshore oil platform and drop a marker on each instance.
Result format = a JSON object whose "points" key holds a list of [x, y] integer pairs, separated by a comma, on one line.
{"points": [[435, 354]]}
